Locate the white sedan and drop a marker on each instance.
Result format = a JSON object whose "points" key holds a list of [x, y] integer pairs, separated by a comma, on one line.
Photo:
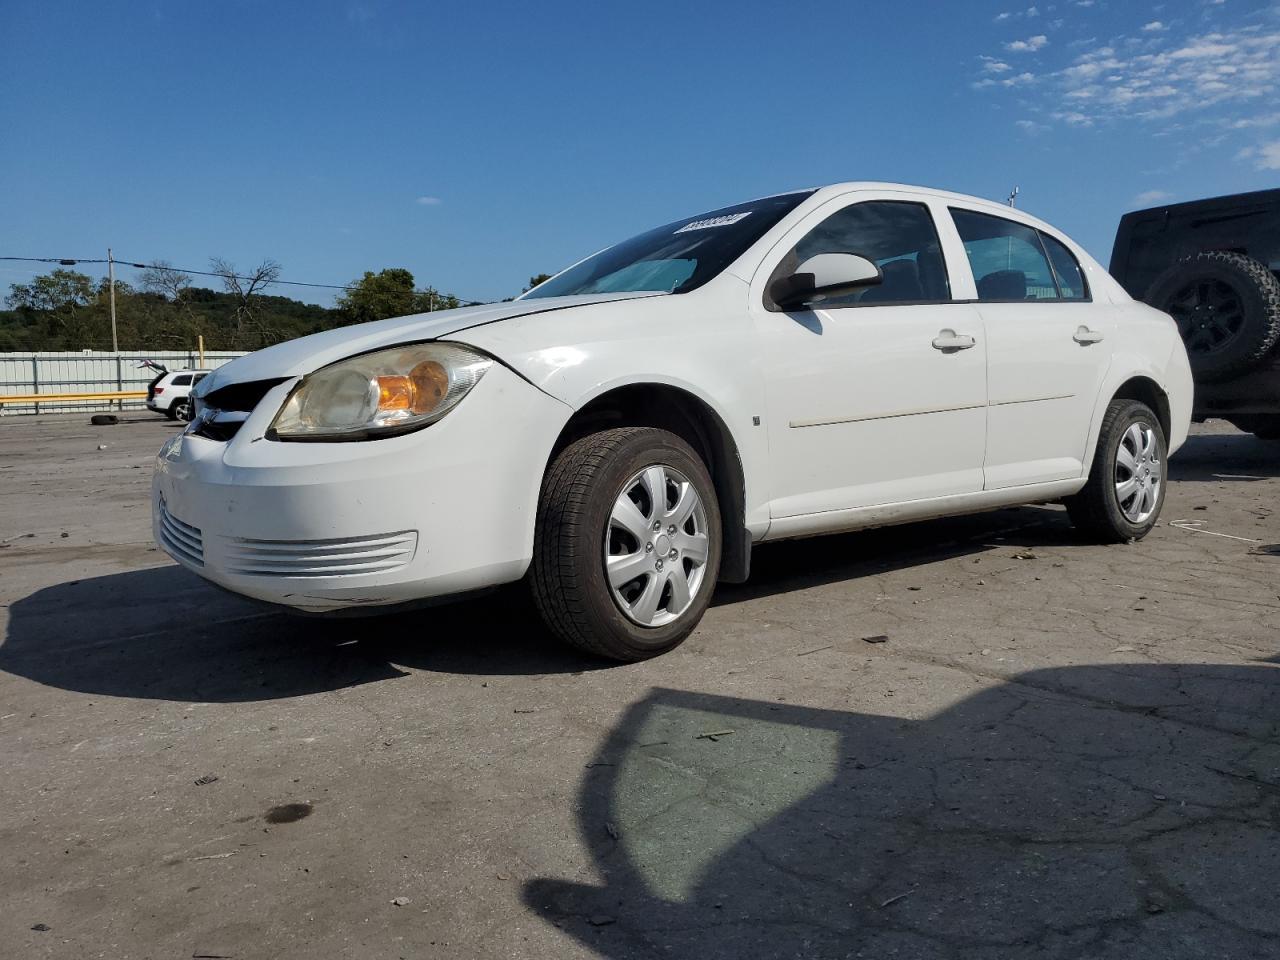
{"points": [[622, 435]]}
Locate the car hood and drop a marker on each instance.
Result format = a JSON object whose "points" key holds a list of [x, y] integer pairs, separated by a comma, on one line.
{"points": [[298, 357]]}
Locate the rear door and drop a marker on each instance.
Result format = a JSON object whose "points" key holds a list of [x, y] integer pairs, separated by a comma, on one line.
{"points": [[1047, 349]]}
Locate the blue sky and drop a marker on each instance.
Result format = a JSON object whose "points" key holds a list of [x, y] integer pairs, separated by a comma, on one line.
{"points": [[478, 143]]}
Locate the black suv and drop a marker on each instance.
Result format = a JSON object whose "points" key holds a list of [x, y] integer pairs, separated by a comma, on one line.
{"points": [[1213, 265]]}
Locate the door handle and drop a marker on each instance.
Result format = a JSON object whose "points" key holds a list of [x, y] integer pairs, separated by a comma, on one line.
{"points": [[949, 341], [1085, 336]]}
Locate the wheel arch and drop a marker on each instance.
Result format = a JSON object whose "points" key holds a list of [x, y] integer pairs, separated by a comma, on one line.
{"points": [[694, 420], [1145, 390], [1134, 384]]}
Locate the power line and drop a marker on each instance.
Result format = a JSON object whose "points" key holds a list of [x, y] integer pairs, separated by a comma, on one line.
{"points": [[74, 261]]}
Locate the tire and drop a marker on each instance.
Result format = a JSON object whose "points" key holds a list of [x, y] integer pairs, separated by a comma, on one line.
{"points": [[180, 410], [579, 523], [1099, 511], [1227, 307]]}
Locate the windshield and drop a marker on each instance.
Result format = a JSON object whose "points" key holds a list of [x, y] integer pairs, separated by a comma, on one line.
{"points": [[675, 258]]}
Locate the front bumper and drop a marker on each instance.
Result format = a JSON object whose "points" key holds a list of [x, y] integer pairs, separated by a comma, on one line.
{"points": [[327, 526]]}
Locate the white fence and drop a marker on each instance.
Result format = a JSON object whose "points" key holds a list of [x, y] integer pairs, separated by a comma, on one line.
{"points": [[90, 371]]}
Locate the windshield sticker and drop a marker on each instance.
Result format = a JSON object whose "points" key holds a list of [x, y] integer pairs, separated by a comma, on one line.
{"points": [[714, 222]]}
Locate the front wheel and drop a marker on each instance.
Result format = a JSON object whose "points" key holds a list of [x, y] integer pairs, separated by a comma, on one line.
{"points": [[1127, 481], [627, 546]]}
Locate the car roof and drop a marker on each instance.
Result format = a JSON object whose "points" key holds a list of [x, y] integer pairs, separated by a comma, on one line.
{"points": [[990, 206], [849, 185]]}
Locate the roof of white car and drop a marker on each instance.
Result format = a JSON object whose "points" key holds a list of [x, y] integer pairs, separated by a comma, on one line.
{"points": [[850, 185]]}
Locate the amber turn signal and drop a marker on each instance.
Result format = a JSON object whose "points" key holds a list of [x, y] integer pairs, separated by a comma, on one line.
{"points": [[419, 392]]}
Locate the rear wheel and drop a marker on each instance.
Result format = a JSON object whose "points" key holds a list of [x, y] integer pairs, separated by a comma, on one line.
{"points": [[1127, 480], [181, 409], [1227, 307], [627, 547]]}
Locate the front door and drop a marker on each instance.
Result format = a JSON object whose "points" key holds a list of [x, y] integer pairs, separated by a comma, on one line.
{"points": [[878, 397]]}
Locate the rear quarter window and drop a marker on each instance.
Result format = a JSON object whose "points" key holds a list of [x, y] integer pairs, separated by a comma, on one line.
{"points": [[1066, 269]]}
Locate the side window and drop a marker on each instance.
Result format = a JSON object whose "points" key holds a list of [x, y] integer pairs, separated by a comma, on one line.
{"points": [[1066, 269], [1008, 260], [899, 236], [199, 377], [182, 380]]}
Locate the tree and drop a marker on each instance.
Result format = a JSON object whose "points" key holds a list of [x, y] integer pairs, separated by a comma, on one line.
{"points": [[376, 296], [168, 281], [391, 293], [425, 301], [62, 300], [72, 312], [535, 280], [245, 288], [61, 290]]}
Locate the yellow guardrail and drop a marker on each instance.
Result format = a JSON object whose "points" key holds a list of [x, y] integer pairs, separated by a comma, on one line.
{"points": [[72, 397]]}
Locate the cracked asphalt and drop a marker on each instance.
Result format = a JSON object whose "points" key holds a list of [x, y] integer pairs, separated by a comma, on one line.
{"points": [[1060, 751]]}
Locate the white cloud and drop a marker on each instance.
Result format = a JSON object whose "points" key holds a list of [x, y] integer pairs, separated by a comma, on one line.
{"points": [[1031, 126], [428, 201], [1030, 45], [1003, 16], [1074, 118], [1150, 197], [1267, 156], [1155, 26], [1262, 120], [1239, 67], [992, 65], [1018, 80]]}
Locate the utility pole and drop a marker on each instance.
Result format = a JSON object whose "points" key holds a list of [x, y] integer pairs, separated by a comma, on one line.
{"points": [[1013, 196], [115, 343], [111, 273]]}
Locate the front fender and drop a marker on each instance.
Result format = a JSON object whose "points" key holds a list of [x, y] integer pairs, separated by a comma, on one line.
{"points": [[577, 356]]}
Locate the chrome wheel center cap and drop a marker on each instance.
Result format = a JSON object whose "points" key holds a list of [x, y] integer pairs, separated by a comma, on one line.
{"points": [[662, 545]]}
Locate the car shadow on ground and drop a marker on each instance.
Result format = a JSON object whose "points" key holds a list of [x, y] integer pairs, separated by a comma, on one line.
{"points": [[1126, 811], [1226, 457], [163, 633]]}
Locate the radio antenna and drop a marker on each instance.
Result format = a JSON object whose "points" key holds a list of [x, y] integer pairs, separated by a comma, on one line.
{"points": [[1013, 196]]}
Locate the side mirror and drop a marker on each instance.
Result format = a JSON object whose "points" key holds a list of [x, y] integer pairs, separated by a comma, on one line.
{"points": [[824, 276]]}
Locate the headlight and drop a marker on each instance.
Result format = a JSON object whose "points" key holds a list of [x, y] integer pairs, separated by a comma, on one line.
{"points": [[391, 391]]}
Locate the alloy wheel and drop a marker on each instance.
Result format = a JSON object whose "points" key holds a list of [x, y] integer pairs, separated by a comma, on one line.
{"points": [[1139, 472], [656, 546]]}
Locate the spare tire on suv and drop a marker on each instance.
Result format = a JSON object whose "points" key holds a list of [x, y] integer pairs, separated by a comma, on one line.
{"points": [[1227, 307]]}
